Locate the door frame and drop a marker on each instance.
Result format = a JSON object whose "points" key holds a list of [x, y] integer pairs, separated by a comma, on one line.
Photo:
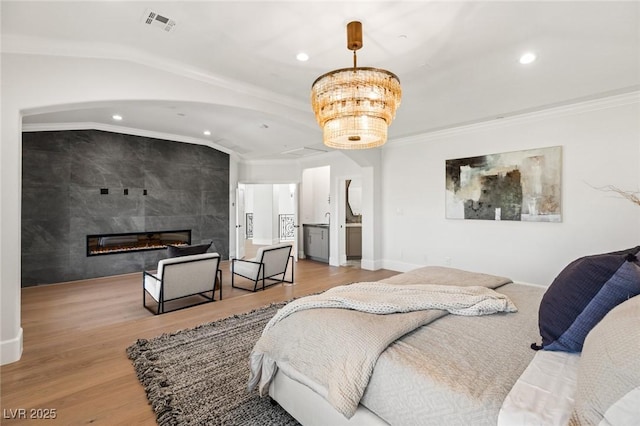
{"points": [[296, 208]]}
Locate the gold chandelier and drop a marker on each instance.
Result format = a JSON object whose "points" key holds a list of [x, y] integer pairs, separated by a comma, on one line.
{"points": [[355, 106]]}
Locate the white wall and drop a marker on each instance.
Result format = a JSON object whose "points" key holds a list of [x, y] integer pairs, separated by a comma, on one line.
{"points": [[601, 146], [265, 207], [315, 193], [248, 198], [271, 171], [285, 198]]}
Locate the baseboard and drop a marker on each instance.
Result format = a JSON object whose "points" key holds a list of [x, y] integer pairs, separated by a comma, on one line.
{"points": [[11, 350], [371, 265], [394, 265]]}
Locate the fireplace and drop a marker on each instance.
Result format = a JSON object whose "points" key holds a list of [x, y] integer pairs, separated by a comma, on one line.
{"points": [[135, 241]]}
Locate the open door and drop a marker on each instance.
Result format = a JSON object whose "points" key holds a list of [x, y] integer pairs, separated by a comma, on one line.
{"points": [[241, 233]]}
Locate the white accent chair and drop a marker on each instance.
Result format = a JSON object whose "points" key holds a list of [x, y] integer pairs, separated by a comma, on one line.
{"points": [[270, 263], [180, 277]]}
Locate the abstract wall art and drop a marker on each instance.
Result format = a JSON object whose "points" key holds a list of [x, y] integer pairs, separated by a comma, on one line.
{"points": [[520, 185]]}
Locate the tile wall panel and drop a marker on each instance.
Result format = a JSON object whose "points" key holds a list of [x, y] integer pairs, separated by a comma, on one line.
{"points": [[63, 171]]}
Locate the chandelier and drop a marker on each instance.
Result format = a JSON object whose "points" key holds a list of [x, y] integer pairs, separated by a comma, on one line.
{"points": [[355, 106]]}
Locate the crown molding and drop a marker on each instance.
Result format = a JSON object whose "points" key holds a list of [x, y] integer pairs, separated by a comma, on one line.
{"points": [[626, 96], [47, 127]]}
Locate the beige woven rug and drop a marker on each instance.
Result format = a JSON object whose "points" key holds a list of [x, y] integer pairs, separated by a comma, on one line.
{"points": [[199, 376]]}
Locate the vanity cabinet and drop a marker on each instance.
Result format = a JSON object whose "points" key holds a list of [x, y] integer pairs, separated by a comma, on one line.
{"points": [[316, 242], [354, 242]]}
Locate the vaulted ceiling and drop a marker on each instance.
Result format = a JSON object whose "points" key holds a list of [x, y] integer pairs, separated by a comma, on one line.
{"points": [[457, 61]]}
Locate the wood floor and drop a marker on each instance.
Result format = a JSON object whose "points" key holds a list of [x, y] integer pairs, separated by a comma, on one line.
{"points": [[75, 336]]}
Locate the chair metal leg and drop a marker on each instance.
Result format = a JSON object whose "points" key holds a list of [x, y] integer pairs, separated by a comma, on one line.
{"points": [[284, 276], [233, 274]]}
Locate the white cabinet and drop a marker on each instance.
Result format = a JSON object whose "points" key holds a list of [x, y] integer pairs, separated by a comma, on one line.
{"points": [[316, 242]]}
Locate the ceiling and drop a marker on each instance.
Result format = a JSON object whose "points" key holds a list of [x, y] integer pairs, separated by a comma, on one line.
{"points": [[457, 61]]}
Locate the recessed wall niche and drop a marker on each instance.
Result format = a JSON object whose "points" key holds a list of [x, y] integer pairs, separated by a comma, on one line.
{"points": [[171, 185]]}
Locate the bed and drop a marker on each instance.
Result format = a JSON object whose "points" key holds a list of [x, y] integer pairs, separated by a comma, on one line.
{"points": [[448, 369]]}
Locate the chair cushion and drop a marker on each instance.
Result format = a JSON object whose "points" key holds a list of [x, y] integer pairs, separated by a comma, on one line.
{"points": [[275, 258], [186, 275], [152, 286], [583, 293], [177, 251], [181, 259], [246, 268], [261, 250]]}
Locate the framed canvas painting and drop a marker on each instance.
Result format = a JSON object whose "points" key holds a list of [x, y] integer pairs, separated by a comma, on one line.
{"points": [[520, 185]]}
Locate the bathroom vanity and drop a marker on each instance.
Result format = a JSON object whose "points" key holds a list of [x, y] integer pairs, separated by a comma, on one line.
{"points": [[316, 241]]}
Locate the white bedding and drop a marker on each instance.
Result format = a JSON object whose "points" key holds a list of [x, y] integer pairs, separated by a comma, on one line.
{"points": [[456, 370], [543, 395], [338, 348]]}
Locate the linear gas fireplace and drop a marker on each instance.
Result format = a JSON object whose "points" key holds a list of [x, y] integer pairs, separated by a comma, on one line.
{"points": [[135, 241]]}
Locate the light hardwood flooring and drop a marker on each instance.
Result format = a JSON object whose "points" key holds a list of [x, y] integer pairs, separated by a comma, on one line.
{"points": [[75, 336]]}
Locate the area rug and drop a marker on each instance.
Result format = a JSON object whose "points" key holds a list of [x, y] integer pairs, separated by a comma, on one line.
{"points": [[199, 376]]}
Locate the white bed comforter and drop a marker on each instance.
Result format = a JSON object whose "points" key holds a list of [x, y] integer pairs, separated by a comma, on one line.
{"points": [[313, 340]]}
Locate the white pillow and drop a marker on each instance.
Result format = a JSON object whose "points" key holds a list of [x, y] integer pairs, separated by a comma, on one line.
{"points": [[543, 395], [608, 391]]}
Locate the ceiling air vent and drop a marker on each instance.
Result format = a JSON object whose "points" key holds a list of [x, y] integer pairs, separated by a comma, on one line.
{"points": [[303, 152], [156, 20]]}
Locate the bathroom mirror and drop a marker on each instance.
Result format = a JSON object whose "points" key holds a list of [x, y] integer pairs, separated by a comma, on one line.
{"points": [[354, 197]]}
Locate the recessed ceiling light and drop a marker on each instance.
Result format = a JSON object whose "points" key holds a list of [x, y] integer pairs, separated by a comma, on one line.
{"points": [[302, 57], [207, 133], [116, 117], [527, 58]]}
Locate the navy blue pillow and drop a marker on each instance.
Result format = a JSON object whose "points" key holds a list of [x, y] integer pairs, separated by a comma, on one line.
{"points": [[177, 251], [582, 294]]}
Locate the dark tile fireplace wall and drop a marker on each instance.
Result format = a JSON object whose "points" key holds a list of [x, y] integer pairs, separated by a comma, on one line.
{"points": [[63, 173]]}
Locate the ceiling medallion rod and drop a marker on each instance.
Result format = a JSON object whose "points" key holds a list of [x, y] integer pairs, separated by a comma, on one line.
{"points": [[355, 106]]}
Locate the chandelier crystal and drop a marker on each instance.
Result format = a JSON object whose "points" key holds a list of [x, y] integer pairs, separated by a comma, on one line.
{"points": [[355, 106]]}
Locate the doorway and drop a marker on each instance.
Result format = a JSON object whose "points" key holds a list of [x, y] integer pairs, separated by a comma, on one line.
{"points": [[353, 221], [269, 216]]}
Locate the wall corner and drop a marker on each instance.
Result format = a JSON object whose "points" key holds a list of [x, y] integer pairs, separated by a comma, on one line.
{"points": [[11, 350]]}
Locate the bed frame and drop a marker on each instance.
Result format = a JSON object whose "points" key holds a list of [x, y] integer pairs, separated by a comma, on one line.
{"points": [[310, 409]]}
